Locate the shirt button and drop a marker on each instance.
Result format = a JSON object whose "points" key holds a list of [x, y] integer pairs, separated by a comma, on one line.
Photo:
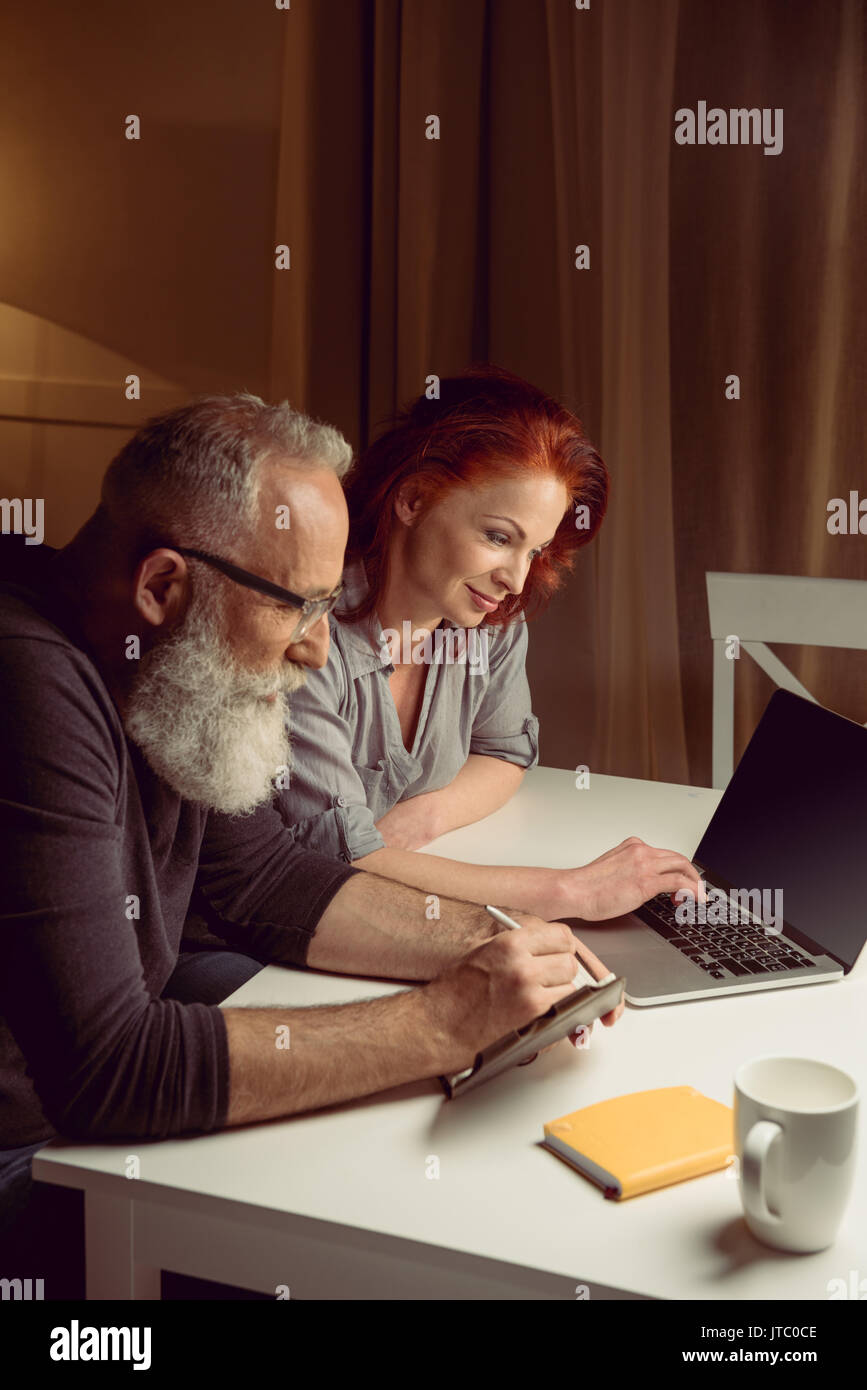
{"points": [[341, 801]]}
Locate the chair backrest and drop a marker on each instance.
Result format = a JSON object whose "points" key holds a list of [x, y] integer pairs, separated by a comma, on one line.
{"points": [[759, 608]]}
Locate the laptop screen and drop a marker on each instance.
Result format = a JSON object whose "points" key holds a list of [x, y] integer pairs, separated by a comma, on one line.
{"points": [[794, 818]]}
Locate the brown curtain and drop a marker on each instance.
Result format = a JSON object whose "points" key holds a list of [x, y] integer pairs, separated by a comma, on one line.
{"points": [[767, 281], [414, 256]]}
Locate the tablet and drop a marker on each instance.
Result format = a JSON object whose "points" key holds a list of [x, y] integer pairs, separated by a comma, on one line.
{"points": [[579, 1009]]}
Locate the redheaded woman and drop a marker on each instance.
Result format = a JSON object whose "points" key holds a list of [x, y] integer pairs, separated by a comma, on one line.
{"points": [[465, 516]]}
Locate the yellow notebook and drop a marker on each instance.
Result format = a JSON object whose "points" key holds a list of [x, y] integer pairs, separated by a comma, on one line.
{"points": [[649, 1139]]}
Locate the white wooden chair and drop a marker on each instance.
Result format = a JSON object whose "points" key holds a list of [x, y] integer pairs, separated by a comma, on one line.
{"points": [[760, 608]]}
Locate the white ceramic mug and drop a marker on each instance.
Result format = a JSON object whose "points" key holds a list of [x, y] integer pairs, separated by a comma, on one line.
{"points": [[795, 1121]]}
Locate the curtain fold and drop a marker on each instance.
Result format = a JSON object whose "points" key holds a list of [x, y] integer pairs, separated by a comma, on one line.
{"points": [[641, 724]]}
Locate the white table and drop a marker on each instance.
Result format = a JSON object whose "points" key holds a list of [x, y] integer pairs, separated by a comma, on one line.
{"points": [[338, 1204]]}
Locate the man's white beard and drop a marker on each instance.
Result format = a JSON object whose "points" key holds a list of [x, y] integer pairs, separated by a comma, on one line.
{"points": [[200, 719]]}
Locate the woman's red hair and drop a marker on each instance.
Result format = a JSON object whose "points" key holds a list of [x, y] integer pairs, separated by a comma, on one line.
{"points": [[486, 422]]}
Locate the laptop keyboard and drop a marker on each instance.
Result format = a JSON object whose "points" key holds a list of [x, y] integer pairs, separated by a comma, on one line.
{"points": [[741, 946]]}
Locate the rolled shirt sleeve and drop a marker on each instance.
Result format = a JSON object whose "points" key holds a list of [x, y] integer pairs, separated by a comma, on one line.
{"points": [[505, 725]]}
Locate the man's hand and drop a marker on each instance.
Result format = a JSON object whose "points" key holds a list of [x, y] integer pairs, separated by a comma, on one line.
{"points": [[501, 987], [623, 878], [588, 959], [597, 970]]}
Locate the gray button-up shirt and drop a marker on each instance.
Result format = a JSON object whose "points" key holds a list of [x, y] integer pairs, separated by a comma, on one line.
{"points": [[349, 763]]}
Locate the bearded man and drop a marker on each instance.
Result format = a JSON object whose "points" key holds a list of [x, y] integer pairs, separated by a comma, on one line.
{"points": [[142, 675]]}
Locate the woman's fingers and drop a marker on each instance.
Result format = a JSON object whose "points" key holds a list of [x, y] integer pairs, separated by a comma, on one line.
{"points": [[682, 884]]}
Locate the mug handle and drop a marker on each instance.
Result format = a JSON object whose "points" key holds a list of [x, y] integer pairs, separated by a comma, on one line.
{"points": [[756, 1146]]}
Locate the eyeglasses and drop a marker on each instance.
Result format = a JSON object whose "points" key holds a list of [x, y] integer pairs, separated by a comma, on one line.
{"points": [[312, 609]]}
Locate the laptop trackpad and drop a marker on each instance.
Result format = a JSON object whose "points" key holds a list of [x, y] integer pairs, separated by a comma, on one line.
{"points": [[621, 940]]}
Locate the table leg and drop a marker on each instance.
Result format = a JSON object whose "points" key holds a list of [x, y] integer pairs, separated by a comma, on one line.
{"points": [[109, 1240]]}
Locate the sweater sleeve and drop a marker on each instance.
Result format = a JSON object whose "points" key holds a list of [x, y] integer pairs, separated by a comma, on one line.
{"points": [[107, 1058], [267, 890]]}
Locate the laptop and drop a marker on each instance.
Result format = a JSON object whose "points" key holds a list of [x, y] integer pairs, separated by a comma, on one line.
{"points": [[784, 860]]}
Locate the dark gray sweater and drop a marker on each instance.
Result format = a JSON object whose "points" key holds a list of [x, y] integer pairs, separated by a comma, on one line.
{"points": [[87, 1046]]}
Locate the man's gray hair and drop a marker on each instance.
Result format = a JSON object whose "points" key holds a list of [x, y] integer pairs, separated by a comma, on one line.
{"points": [[192, 475]]}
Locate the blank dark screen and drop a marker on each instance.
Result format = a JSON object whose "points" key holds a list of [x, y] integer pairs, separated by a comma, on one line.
{"points": [[794, 817]]}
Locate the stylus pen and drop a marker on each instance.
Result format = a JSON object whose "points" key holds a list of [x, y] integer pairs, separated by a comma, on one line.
{"points": [[582, 978]]}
